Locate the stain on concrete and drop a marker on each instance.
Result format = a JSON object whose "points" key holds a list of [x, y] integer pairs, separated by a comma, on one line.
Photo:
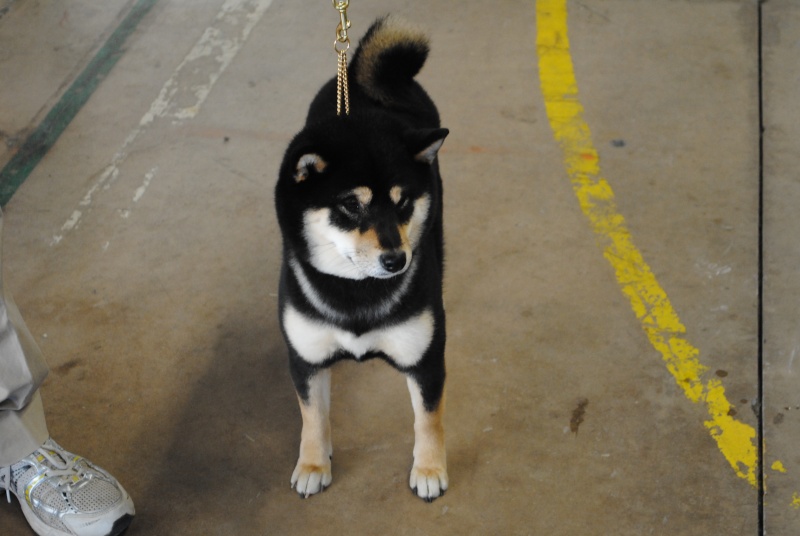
{"points": [[578, 414], [66, 368], [523, 114]]}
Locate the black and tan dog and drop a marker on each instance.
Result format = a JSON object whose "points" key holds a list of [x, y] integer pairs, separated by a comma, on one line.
{"points": [[359, 202]]}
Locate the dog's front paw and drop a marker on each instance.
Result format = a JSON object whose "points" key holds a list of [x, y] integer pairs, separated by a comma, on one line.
{"points": [[428, 483], [309, 479]]}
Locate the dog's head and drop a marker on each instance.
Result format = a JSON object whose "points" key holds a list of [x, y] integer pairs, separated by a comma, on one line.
{"points": [[354, 197]]}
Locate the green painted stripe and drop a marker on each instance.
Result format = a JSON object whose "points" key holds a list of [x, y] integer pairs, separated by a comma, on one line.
{"points": [[44, 137]]}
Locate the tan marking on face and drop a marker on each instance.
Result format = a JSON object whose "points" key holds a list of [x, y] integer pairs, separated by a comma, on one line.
{"points": [[396, 194], [411, 232], [403, 229], [368, 249], [368, 240], [405, 245], [363, 194]]}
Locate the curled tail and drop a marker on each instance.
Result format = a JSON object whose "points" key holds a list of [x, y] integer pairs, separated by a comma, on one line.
{"points": [[389, 55]]}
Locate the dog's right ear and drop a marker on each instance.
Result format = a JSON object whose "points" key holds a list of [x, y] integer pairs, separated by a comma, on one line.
{"points": [[306, 164], [424, 144]]}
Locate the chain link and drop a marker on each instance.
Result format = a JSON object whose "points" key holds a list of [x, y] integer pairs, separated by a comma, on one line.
{"points": [[342, 92]]}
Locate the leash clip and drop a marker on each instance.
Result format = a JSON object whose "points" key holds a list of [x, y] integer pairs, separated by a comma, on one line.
{"points": [[341, 46], [344, 24]]}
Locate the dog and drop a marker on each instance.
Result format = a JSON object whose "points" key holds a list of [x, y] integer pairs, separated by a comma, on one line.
{"points": [[359, 205]]}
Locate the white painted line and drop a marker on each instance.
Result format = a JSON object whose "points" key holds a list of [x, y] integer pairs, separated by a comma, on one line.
{"points": [[143, 188], [210, 56]]}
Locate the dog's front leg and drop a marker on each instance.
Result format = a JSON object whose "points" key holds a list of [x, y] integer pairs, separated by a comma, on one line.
{"points": [[429, 474], [313, 471]]}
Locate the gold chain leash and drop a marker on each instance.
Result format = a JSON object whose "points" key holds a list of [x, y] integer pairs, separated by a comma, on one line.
{"points": [[341, 45]]}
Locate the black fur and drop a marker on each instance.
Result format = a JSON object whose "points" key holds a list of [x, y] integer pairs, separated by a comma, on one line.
{"points": [[375, 146]]}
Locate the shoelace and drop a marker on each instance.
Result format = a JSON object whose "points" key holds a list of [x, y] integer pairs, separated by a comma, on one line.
{"points": [[59, 467]]}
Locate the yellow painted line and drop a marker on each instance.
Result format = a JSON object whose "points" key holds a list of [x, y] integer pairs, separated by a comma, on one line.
{"points": [[737, 441]]}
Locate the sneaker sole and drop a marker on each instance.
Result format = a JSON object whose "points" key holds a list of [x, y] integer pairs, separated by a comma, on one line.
{"points": [[121, 525], [42, 529]]}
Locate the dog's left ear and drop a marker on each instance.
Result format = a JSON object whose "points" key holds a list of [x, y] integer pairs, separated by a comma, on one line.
{"points": [[424, 144], [306, 164]]}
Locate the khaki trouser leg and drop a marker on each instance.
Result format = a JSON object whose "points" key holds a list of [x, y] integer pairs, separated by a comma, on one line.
{"points": [[22, 370]]}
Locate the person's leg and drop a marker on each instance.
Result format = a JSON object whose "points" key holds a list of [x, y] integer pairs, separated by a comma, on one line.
{"points": [[22, 370], [22, 431], [61, 494]]}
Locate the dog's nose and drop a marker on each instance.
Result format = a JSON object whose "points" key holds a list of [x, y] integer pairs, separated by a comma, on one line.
{"points": [[394, 261]]}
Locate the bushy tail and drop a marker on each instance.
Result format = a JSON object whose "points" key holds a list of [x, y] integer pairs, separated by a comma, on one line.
{"points": [[388, 57]]}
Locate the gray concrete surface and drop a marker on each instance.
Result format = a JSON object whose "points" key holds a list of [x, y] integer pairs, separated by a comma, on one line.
{"points": [[781, 258], [144, 254]]}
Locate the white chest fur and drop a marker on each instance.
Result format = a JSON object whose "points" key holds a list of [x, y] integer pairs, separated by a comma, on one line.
{"points": [[404, 343]]}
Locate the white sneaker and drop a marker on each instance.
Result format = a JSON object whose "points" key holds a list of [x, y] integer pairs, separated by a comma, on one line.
{"points": [[62, 494]]}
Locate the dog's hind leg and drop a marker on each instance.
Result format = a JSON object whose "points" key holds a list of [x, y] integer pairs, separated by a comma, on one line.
{"points": [[313, 471], [429, 474]]}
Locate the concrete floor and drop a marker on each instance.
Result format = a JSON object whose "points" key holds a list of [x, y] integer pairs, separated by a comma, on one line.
{"points": [[144, 254]]}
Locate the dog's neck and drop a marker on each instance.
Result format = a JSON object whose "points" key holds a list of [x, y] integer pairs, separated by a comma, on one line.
{"points": [[342, 301]]}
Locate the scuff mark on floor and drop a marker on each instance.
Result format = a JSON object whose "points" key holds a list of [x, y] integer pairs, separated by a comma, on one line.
{"points": [[578, 414]]}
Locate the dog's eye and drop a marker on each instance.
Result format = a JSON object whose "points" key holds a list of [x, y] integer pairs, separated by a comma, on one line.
{"points": [[403, 202], [351, 206]]}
